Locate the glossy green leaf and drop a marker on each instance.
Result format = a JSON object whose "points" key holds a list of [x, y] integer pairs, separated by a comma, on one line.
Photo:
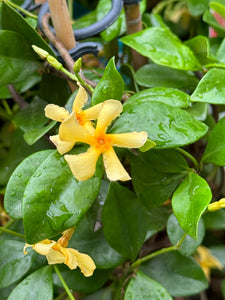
{"points": [[152, 186], [110, 86], [54, 200], [175, 234], [15, 51], [163, 48], [215, 220], [154, 20], [201, 48], [124, 221], [199, 110], [34, 135], [167, 126], [198, 7], [211, 88], [220, 54], [78, 282], [157, 219], [215, 149], [151, 75], [37, 285], [180, 275], [219, 252], [86, 240], [14, 264], [189, 202], [18, 181], [144, 287], [21, 86], [169, 96], [12, 20]]}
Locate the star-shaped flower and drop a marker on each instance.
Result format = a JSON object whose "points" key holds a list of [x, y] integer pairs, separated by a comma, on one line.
{"points": [[57, 253], [83, 165], [83, 117]]}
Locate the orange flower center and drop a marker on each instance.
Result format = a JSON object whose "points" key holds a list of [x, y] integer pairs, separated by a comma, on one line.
{"points": [[80, 117], [101, 142]]}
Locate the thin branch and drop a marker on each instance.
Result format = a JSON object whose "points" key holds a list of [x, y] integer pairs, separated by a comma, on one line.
{"points": [[16, 96]]}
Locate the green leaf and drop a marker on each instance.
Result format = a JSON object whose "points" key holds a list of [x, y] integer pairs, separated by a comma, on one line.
{"points": [[215, 149], [175, 234], [78, 282], [211, 88], [15, 51], [189, 201], [18, 181], [220, 54], [201, 48], [163, 48], [152, 186], [147, 146], [167, 126], [198, 7], [215, 220], [124, 221], [12, 20], [34, 135], [169, 96], [180, 275], [21, 86], [144, 287], [199, 110], [54, 200], [218, 251], [94, 243], [37, 285], [157, 219], [151, 75], [110, 86], [14, 264]]}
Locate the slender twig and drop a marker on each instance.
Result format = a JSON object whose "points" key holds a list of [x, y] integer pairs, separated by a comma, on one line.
{"points": [[57, 44], [161, 251], [188, 155], [16, 96], [12, 232], [25, 12], [61, 296], [63, 283]]}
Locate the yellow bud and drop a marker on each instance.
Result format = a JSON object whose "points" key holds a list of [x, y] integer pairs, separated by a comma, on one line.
{"points": [[217, 205], [54, 62], [77, 65], [42, 53]]}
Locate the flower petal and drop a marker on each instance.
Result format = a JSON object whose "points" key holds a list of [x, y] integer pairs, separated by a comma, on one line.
{"points": [[83, 165], [84, 261], [56, 112], [80, 99], [129, 140], [62, 146], [111, 109], [71, 131], [113, 167], [55, 257], [93, 112], [43, 247]]}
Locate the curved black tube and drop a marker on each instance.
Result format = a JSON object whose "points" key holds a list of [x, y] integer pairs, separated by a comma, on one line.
{"points": [[93, 29]]}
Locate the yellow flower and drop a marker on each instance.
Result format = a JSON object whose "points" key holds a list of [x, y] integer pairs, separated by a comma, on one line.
{"points": [[60, 114], [56, 253], [207, 261], [83, 165], [217, 205]]}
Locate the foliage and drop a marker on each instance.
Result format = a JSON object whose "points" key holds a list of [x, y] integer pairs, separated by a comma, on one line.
{"points": [[143, 224]]}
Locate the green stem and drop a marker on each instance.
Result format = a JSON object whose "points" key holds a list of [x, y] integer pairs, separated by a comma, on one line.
{"points": [[64, 283], [188, 155], [6, 106], [12, 232], [164, 250], [70, 8], [85, 83], [61, 297], [14, 5]]}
